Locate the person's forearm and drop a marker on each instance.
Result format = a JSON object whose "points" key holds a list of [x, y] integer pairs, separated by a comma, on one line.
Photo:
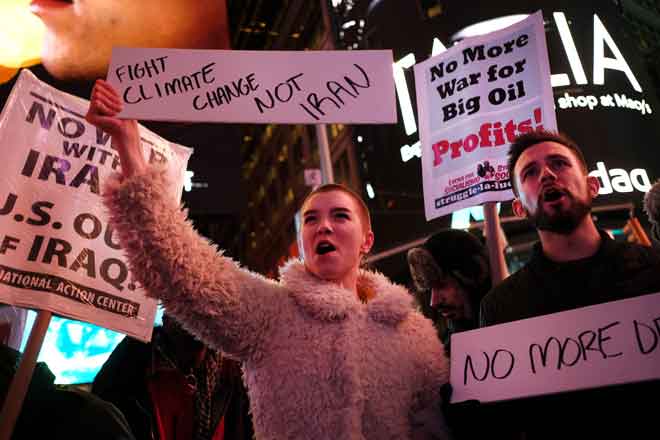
{"points": [[127, 144], [209, 294]]}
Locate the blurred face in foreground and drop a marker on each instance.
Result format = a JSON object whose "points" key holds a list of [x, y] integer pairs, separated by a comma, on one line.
{"points": [[80, 34], [335, 236]]}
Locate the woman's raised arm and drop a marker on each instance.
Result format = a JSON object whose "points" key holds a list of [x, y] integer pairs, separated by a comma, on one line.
{"points": [[227, 307], [104, 106]]}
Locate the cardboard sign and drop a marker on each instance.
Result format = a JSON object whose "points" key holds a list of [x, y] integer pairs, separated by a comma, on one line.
{"points": [[473, 99], [305, 87], [606, 344], [57, 251]]}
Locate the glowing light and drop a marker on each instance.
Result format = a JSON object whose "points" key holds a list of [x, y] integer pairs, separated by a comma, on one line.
{"points": [[462, 218], [438, 47], [370, 191], [21, 35], [487, 26], [402, 91], [187, 182], [360, 138], [373, 4], [620, 180], [571, 52], [559, 80], [601, 62], [410, 151]]}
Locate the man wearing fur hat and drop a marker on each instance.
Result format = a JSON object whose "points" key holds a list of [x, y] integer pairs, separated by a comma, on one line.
{"points": [[451, 274], [652, 208]]}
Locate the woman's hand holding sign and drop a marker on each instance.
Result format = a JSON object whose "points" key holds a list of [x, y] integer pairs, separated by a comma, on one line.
{"points": [[105, 104]]}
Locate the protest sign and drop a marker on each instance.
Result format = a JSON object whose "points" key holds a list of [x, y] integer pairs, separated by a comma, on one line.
{"points": [[57, 250], [605, 344], [306, 87], [473, 99]]}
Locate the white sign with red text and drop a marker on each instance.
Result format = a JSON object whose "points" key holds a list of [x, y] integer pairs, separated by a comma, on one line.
{"points": [[605, 344], [473, 99], [303, 87], [57, 250]]}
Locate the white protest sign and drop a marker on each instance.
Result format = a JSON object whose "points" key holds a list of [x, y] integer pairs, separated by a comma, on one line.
{"points": [[57, 251], [306, 87], [605, 344], [473, 99]]}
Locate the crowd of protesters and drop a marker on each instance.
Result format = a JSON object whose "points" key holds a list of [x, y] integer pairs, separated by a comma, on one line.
{"points": [[331, 350]]}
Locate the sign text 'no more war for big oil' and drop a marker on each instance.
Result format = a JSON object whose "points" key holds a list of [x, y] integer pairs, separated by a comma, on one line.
{"points": [[473, 100]]}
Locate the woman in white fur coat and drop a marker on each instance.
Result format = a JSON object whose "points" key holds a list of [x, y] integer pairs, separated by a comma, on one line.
{"points": [[329, 352]]}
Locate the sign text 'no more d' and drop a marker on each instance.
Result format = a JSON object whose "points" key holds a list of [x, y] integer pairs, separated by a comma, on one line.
{"points": [[58, 249], [605, 344]]}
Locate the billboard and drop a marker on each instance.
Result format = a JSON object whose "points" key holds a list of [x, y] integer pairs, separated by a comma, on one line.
{"points": [[603, 96]]}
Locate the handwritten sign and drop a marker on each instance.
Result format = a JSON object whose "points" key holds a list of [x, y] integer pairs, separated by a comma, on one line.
{"points": [[606, 344], [57, 250], [473, 99], [306, 87]]}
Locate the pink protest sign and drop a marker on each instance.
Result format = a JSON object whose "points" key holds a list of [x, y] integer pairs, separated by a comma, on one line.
{"points": [[306, 87], [596, 346]]}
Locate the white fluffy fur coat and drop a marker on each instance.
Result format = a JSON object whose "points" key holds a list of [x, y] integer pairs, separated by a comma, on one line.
{"points": [[318, 363]]}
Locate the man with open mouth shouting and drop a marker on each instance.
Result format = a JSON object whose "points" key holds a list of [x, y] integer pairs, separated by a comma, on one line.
{"points": [[330, 351], [574, 265]]}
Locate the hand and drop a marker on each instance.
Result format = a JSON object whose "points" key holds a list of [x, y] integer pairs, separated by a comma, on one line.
{"points": [[104, 105]]}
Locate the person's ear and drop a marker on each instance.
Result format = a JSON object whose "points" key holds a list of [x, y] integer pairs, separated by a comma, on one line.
{"points": [[367, 243], [594, 186], [518, 209]]}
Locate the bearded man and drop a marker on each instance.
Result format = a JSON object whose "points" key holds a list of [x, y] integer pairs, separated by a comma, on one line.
{"points": [[574, 265]]}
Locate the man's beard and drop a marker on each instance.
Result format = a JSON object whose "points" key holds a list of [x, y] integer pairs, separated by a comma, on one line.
{"points": [[560, 221]]}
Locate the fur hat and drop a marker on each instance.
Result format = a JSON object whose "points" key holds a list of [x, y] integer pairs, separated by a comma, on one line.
{"points": [[451, 252], [652, 208]]}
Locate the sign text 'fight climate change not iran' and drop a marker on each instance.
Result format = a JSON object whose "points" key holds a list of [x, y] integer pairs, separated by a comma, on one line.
{"points": [[57, 250], [473, 99], [606, 344], [306, 87]]}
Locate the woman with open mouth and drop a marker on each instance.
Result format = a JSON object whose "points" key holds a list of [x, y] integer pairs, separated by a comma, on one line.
{"points": [[330, 351]]}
